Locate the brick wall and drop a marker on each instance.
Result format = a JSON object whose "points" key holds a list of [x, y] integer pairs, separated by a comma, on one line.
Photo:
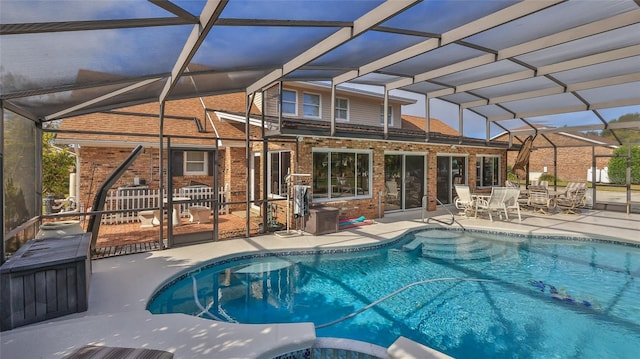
{"points": [[97, 163], [572, 162], [369, 207]]}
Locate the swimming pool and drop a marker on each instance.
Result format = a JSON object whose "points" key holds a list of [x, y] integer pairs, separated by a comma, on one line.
{"points": [[468, 294]]}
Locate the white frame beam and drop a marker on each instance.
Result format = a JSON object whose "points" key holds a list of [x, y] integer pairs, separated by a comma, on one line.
{"points": [[379, 14]]}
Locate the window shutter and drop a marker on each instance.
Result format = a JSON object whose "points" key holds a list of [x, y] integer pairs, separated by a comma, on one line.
{"points": [[177, 158]]}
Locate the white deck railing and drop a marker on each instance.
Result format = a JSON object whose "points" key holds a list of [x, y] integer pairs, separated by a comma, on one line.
{"points": [[134, 200]]}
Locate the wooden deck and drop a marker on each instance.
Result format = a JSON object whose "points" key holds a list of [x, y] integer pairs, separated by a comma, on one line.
{"points": [[122, 239]]}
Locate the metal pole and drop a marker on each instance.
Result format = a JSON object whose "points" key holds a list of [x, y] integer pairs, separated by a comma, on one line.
{"points": [[263, 169], [2, 181], [216, 186], [160, 176], [427, 111], [593, 176], [247, 162], [170, 208], [628, 179]]}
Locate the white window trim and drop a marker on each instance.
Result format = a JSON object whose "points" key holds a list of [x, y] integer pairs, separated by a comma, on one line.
{"points": [[295, 104], [330, 175], [319, 105], [390, 114], [348, 105], [499, 174], [270, 193], [205, 162]]}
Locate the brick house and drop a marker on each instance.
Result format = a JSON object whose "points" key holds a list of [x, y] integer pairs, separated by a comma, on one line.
{"points": [[359, 168], [103, 140], [574, 153]]}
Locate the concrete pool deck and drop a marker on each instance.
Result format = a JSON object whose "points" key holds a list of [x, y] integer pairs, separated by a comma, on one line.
{"points": [[121, 286]]}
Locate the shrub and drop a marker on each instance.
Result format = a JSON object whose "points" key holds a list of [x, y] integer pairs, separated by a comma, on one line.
{"points": [[546, 177], [618, 165]]}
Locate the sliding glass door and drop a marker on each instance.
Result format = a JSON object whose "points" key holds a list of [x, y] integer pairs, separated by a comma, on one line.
{"points": [[404, 181], [451, 170]]}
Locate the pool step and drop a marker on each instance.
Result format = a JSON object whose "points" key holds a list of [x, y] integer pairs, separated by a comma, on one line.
{"points": [[456, 246]]}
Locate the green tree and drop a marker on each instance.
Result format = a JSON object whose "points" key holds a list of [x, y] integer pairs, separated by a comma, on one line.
{"points": [[626, 136], [57, 162], [618, 165]]}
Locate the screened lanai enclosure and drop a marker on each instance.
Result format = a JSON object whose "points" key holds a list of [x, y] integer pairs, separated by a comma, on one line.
{"points": [[505, 69]]}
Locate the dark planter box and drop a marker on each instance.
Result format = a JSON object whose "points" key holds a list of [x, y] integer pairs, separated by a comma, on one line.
{"points": [[322, 220], [45, 279]]}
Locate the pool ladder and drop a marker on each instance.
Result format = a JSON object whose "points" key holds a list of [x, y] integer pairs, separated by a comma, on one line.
{"points": [[425, 201]]}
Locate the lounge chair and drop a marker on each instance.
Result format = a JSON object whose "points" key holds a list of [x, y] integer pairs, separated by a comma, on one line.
{"points": [[539, 199], [495, 202], [569, 204], [464, 202]]}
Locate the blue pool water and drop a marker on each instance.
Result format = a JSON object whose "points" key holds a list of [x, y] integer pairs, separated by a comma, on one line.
{"points": [[478, 294]]}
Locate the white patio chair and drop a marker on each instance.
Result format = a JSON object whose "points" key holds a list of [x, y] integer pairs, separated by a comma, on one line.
{"points": [[464, 201], [495, 202], [511, 201], [392, 190]]}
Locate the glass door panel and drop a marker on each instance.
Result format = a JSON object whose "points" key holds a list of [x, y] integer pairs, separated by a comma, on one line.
{"points": [[392, 182], [414, 184]]}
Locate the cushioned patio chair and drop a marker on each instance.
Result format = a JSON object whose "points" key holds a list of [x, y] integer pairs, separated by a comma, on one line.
{"points": [[570, 192], [463, 201], [539, 199], [569, 204]]}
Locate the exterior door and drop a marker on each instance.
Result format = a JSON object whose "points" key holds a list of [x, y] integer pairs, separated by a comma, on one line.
{"points": [[404, 181], [451, 170]]}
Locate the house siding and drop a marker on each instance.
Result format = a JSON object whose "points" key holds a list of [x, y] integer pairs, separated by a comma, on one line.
{"points": [[362, 110]]}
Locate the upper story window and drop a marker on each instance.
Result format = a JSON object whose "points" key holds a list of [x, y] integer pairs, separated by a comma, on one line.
{"points": [[342, 109], [487, 171], [311, 105], [195, 163], [289, 102], [389, 116]]}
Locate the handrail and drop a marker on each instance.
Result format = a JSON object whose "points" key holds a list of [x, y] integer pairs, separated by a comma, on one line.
{"points": [[398, 292], [424, 209]]}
